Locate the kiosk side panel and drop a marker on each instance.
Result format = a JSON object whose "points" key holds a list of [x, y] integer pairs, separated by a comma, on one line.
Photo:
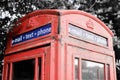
{"points": [[32, 32], [87, 41], [86, 32]]}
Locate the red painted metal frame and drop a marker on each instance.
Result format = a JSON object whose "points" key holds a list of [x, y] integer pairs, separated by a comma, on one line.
{"points": [[59, 48]]}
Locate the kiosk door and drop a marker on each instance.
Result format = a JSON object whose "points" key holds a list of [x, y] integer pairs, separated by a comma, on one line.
{"points": [[88, 65], [27, 65]]}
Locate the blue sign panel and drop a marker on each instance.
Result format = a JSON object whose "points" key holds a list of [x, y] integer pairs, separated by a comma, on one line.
{"points": [[41, 31]]}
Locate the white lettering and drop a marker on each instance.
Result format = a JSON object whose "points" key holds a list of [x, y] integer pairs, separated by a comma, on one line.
{"points": [[28, 36], [18, 39], [44, 31], [81, 33]]}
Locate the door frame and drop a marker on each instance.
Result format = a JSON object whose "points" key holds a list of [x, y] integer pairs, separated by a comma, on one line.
{"points": [[84, 54], [26, 55]]}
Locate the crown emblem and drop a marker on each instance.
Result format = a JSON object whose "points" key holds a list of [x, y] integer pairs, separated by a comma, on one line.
{"points": [[90, 24]]}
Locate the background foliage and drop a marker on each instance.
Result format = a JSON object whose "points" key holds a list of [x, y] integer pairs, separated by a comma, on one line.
{"points": [[106, 10]]}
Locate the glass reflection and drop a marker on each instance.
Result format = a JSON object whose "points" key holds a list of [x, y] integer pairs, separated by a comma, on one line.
{"points": [[92, 70], [76, 64], [23, 70]]}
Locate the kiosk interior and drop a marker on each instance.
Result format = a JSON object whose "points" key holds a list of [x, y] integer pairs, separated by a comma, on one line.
{"points": [[59, 45]]}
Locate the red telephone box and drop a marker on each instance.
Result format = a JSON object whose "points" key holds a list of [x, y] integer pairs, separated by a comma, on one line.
{"points": [[59, 45]]}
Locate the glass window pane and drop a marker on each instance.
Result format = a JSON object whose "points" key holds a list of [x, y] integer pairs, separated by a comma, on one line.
{"points": [[92, 70], [23, 70], [76, 63], [39, 68], [108, 72]]}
